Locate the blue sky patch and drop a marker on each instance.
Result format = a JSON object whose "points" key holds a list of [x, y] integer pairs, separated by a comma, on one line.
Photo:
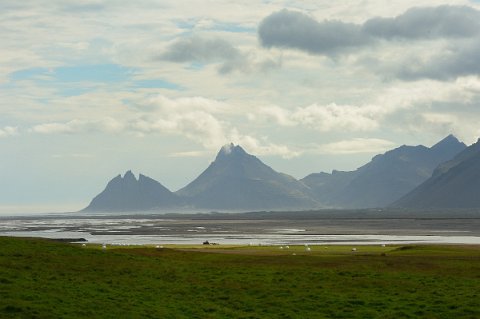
{"points": [[157, 83], [28, 74], [217, 26], [99, 73], [106, 73], [231, 27]]}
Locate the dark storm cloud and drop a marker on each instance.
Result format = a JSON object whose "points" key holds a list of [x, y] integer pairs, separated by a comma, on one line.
{"points": [[459, 24], [424, 23], [295, 30], [289, 29]]}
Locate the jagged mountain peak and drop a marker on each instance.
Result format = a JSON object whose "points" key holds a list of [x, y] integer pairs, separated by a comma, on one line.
{"points": [[129, 176], [128, 193]]}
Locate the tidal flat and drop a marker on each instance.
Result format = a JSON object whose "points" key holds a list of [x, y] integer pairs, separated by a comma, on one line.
{"points": [[41, 278], [268, 228]]}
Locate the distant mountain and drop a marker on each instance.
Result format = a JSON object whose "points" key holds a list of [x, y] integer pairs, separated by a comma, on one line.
{"points": [[129, 194], [385, 178], [454, 184], [237, 180], [326, 187]]}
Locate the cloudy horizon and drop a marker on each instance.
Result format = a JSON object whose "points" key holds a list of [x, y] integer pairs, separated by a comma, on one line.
{"points": [[90, 90]]}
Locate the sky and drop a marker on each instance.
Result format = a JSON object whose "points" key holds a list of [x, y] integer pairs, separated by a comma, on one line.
{"points": [[90, 89]]}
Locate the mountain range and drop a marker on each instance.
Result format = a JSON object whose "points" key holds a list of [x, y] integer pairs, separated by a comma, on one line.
{"points": [[454, 184], [238, 181], [386, 178]]}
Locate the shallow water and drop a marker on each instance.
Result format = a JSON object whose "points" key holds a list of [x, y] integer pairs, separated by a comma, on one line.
{"points": [[157, 231]]}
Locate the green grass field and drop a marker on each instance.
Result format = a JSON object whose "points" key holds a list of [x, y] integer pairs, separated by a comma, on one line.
{"points": [[46, 279]]}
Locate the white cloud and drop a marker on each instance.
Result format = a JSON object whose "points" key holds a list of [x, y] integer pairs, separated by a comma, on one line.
{"points": [[324, 118], [79, 126], [336, 117], [262, 147], [355, 146], [188, 154], [8, 131]]}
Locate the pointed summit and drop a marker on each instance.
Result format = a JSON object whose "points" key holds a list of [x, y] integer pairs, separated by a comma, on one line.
{"points": [[230, 150], [237, 180], [448, 143]]}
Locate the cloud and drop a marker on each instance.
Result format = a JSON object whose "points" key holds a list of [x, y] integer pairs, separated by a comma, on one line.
{"points": [[324, 118], [188, 154], [204, 50], [262, 147], [427, 23], [337, 117], [79, 126], [199, 126], [205, 121], [355, 146], [459, 59], [200, 50], [8, 131], [295, 30]]}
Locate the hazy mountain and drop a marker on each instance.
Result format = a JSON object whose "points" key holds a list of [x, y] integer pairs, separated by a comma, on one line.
{"points": [[454, 184], [327, 186], [385, 178], [237, 180], [129, 194]]}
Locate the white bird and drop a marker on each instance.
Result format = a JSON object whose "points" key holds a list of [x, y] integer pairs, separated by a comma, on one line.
{"points": [[354, 249], [281, 247], [83, 245], [288, 247], [308, 249]]}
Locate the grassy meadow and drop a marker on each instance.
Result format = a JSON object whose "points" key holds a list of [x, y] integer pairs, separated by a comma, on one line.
{"points": [[46, 279]]}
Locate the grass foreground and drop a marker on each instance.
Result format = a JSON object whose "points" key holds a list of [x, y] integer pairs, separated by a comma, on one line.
{"points": [[46, 279]]}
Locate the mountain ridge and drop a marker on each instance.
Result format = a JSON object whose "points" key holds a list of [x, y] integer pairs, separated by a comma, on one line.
{"points": [[386, 178], [238, 181], [454, 184]]}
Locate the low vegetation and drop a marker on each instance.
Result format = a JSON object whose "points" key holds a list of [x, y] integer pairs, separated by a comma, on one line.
{"points": [[46, 279]]}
